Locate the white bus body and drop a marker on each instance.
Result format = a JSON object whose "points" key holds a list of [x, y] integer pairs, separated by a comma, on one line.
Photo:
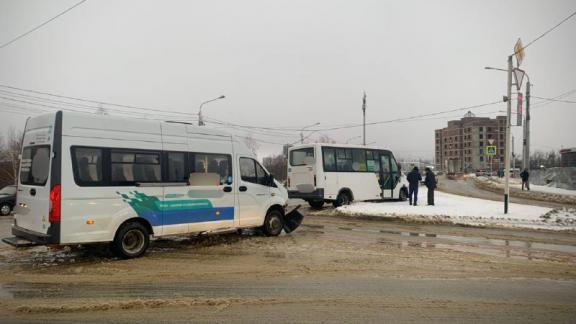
{"points": [[91, 178], [339, 174]]}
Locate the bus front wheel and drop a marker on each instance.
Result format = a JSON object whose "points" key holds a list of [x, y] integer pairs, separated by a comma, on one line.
{"points": [[273, 223], [131, 240]]}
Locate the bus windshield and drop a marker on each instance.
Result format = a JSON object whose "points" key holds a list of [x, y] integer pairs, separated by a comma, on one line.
{"points": [[303, 156], [35, 165]]}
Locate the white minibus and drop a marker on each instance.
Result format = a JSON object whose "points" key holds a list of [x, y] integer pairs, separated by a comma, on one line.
{"points": [[88, 179], [341, 173]]}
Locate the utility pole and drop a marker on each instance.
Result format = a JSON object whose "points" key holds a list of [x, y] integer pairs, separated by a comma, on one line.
{"points": [[513, 155], [364, 118], [508, 137], [526, 142]]}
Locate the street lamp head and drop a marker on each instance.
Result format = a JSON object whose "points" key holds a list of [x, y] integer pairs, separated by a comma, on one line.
{"points": [[222, 97]]}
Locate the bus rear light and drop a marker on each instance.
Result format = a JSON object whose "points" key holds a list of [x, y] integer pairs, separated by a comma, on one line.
{"points": [[288, 182], [314, 180], [55, 204]]}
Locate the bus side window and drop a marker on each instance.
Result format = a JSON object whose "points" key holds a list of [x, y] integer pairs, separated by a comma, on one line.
{"points": [[329, 159], [218, 164], [176, 167], [88, 165]]}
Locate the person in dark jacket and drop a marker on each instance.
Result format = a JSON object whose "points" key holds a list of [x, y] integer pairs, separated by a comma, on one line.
{"points": [[414, 179], [430, 183], [525, 175]]}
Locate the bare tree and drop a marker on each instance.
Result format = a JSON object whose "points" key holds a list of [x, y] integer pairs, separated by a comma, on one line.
{"points": [[276, 165], [10, 148], [323, 138], [252, 144]]}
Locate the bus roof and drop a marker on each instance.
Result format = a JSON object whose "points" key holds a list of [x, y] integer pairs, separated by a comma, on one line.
{"points": [[298, 146]]}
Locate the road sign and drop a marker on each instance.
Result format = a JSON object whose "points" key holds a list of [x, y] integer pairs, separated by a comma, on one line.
{"points": [[490, 150], [519, 77], [491, 141], [519, 52]]}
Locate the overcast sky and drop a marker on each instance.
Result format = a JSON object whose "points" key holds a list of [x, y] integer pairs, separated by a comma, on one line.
{"points": [[294, 63]]}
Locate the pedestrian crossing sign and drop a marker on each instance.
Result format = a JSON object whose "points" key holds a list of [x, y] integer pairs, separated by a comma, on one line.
{"points": [[490, 150]]}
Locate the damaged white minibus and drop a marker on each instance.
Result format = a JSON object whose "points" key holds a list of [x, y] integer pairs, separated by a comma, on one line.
{"points": [[88, 179]]}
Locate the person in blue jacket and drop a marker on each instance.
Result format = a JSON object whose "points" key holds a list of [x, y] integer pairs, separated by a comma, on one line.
{"points": [[414, 179]]}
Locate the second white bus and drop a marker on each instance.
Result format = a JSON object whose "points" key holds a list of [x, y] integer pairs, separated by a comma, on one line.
{"points": [[339, 174]]}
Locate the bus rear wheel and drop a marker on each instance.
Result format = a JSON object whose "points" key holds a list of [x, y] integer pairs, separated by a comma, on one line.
{"points": [[403, 194], [342, 199], [316, 204], [131, 241], [273, 223]]}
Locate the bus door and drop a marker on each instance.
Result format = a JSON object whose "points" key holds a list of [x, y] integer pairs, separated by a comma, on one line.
{"points": [[386, 180]]}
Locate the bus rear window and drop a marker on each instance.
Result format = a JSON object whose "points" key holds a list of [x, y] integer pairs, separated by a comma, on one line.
{"points": [[302, 156], [35, 165]]}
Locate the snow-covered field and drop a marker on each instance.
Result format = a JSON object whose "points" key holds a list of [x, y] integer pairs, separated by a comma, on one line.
{"points": [[517, 183], [468, 211]]}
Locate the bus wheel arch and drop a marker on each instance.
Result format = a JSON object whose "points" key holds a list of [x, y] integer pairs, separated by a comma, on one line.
{"points": [[132, 238], [344, 197]]}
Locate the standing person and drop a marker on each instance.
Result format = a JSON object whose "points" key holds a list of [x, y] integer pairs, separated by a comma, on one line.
{"points": [[430, 183], [525, 175], [414, 179]]}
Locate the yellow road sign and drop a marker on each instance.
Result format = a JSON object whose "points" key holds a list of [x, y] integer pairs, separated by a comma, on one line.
{"points": [[519, 52], [490, 150]]}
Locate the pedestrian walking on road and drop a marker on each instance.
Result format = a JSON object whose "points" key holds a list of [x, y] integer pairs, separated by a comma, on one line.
{"points": [[525, 175], [414, 179], [430, 183]]}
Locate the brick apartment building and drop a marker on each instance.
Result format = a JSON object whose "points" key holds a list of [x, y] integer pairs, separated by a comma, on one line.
{"points": [[460, 146]]}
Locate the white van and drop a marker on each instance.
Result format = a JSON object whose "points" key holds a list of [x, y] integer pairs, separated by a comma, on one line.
{"points": [[91, 178], [340, 174]]}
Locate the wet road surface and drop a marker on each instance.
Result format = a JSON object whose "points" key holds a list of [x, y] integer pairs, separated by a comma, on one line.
{"points": [[331, 269]]}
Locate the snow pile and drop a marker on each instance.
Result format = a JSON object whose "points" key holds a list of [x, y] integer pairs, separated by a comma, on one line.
{"points": [[468, 211]]}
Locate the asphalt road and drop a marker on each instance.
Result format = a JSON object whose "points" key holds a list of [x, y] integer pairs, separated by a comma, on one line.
{"points": [[332, 269]]}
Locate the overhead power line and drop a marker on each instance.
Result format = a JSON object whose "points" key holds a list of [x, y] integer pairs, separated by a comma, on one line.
{"points": [[555, 100], [546, 32], [41, 25], [98, 102], [414, 117]]}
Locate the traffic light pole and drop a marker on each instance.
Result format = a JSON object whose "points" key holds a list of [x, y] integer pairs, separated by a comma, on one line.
{"points": [[508, 137]]}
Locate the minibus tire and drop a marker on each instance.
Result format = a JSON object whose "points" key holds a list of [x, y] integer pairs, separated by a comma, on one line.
{"points": [[402, 195], [342, 199], [273, 223], [316, 204], [5, 209], [131, 240]]}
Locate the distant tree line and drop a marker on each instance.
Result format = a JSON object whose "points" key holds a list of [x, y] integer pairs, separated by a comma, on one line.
{"points": [[546, 159], [10, 148]]}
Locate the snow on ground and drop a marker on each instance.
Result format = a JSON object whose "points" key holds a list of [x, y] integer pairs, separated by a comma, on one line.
{"points": [[517, 183], [468, 211]]}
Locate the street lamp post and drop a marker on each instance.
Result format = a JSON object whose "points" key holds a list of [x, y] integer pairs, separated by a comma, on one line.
{"points": [[200, 119], [526, 128], [526, 140], [508, 138]]}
